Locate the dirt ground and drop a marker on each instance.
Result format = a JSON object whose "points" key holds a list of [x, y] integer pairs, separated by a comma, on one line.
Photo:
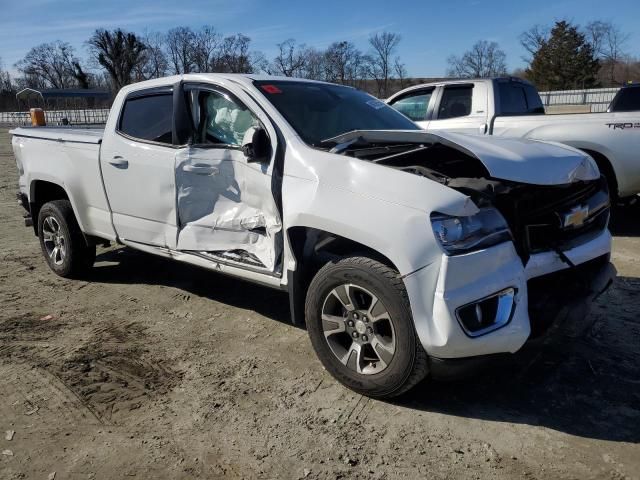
{"points": [[152, 369]]}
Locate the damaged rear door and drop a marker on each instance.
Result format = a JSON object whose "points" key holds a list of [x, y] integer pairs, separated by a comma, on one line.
{"points": [[226, 208]]}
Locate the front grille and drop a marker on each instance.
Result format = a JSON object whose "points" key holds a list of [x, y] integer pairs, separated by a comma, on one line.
{"points": [[552, 236], [558, 218]]}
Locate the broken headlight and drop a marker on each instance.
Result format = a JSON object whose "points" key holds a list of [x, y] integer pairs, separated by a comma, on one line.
{"points": [[463, 234]]}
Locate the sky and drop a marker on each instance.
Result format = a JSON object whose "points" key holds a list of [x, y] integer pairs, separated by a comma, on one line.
{"points": [[431, 30]]}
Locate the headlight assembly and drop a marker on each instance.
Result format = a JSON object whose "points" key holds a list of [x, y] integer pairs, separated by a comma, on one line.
{"points": [[463, 234]]}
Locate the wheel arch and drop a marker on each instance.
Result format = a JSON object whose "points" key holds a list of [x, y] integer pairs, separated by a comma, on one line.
{"points": [[606, 168], [41, 192], [312, 248]]}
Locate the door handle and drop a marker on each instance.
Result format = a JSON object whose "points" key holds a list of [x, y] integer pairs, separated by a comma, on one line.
{"points": [[200, 169], [118, 161]]}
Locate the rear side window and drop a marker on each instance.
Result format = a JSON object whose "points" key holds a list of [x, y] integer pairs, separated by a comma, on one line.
{"points": [[518, 98], [627, 100], [456, 102], [534, 103], [148, 118], [512, 99], [414, 105]]}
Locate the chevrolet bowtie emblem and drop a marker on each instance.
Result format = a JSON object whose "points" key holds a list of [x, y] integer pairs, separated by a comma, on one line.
{"points": [[576, 216]]}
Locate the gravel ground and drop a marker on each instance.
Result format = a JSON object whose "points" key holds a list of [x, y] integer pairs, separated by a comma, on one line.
{"points": [[153, 369]]}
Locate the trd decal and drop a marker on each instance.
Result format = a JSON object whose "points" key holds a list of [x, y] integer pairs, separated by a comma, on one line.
{"points": [[622, 126]]}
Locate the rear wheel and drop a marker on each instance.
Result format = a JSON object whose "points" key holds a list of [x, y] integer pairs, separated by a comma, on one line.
{"points": [[360, 325], [61, 240]]}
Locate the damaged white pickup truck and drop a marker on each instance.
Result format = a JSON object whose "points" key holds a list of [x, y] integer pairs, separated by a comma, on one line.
{"points": [[403, 251]]}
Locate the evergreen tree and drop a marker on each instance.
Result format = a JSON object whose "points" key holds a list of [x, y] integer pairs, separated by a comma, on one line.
{"points": [[564, 61]]}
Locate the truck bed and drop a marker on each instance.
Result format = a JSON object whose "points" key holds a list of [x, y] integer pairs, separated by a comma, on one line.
{"points": [[614, 135], [61, 134], [69, 158]]}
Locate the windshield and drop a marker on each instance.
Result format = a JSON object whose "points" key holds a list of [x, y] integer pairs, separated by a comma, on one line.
{"points": [[319, 111]]}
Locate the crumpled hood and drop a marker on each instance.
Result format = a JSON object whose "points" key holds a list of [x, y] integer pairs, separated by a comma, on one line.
{"points": [[519, 160], [528, 161]]}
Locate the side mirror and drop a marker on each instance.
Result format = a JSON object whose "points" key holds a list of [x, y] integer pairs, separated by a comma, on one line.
{"points": [[257, 145]]}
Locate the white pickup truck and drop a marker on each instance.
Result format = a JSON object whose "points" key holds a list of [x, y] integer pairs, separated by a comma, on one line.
{"points": [[511, 107], [402, 251]]}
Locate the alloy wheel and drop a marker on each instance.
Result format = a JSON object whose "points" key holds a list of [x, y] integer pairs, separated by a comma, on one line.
{"points": [[54, 241], [358, 329]]}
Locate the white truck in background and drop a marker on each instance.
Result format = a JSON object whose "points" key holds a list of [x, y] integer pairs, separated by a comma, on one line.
{"points": [[511, 107], [402, 251]]}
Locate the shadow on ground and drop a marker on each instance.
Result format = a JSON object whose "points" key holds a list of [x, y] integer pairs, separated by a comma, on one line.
{"points": [[129, 266], [587, 385]]}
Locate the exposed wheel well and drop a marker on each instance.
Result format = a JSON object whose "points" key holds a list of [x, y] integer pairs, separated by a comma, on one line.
{"points": [[41, 193], [313, 248], [607, 170]]}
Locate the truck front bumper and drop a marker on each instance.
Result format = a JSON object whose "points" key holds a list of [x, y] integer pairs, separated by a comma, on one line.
{"points": [[525, 300]]}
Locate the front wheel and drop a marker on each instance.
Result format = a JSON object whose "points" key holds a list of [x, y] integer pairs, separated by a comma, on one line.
{"points": [[63, 245], [360, 325]]}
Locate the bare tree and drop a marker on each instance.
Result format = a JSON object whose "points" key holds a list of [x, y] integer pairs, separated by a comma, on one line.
{"points": [[595, 33], [154, 62], [6, 85], [485, 59], [181, 43], [291, 59], [401, 71], [608, 44], [118, 52], [358, 68], [52, 65], [341, 58], [235, 56], [384, 46], [206, 45], [532, 40], [315, 67]]}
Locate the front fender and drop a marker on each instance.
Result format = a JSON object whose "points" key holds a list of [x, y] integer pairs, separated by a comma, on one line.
{"points": [[380, 207]]}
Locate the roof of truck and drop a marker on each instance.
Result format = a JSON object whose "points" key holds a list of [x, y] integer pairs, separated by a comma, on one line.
{"points": [[460, 81], [241, 78]]}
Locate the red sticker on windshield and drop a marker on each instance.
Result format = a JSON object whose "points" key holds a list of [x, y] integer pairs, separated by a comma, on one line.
{"points": [[271, 89]]}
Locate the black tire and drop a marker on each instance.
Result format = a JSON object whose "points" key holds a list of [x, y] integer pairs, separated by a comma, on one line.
{"points": [[409, 363], [78, 257]]}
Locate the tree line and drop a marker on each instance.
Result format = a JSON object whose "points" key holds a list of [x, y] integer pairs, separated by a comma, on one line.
{"points": [[559, 56], [562, 56], [117, 58]]}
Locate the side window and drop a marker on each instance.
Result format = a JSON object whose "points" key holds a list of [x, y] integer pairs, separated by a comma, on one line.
{"points": [[628, 100], [456, 102], [516, 98], [219, 118], [534, 103], [414, 105], [148, 118], [512, 99]]}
